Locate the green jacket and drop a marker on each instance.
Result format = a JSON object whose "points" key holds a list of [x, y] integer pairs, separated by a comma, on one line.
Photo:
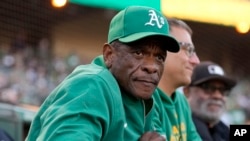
{"points": [[174, 117], [88, 106], [139, 113]]}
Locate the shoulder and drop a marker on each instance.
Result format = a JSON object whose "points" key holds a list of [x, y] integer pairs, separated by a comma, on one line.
{"points": [[158, 94], [157, 97], [90, 73], [89, 82], [222, 126], [180, 96]]}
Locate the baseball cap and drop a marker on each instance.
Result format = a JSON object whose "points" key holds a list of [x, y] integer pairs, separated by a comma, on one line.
{"points": [[137, 22], [208, 70]]}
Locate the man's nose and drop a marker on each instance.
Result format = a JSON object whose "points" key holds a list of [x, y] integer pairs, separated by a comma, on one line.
{"points": [[195, 59], [150, 66], [218, 94]]}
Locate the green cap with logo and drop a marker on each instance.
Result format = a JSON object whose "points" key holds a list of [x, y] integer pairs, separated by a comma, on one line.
{"points": [[137, 22]]}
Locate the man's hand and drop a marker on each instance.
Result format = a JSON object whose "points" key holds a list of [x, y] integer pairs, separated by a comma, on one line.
{"points": [[152, 136]]}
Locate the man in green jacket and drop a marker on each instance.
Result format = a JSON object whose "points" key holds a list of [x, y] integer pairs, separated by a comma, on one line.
{"points": [[111, 98], [172, 106]]}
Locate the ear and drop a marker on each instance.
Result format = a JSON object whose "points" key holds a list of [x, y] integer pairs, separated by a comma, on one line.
{"points": [[107, 54], [186, 91]]}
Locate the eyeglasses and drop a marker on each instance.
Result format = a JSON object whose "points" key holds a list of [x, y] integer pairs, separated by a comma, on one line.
{"points": [[189, 48], [210, 89]]}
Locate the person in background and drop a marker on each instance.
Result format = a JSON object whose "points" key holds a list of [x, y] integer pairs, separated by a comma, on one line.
{"points": [[111, 98], [247, 116], [207, 95], [4, 136], [172, 106]]}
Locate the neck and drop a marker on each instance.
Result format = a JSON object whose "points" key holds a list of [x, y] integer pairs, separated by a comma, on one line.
{"points": [[167, 87]]}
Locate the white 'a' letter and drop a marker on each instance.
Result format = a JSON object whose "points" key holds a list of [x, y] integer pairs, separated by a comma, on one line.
{"points": [[154, 20]]}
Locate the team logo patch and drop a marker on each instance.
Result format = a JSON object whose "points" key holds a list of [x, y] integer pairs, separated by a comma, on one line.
{"points": [[213, 69], [155, 20]]}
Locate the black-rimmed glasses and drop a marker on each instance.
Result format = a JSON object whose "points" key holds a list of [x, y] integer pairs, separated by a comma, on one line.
{"points": [[189, 48], [210, 89]]}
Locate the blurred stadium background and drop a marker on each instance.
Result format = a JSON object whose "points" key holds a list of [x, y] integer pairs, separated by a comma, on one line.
{"points": [[40, 44]]}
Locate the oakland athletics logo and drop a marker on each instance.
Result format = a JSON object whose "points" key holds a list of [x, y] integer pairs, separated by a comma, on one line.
{"points": [[213, 69], [154, 20]]}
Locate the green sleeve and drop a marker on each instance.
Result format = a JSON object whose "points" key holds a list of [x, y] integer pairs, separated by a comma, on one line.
{"points": [[79, 109], [158, 120], [192, 134]]}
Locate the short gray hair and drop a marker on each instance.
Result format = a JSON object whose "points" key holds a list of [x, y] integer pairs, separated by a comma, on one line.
{"points": [[173, 22]]}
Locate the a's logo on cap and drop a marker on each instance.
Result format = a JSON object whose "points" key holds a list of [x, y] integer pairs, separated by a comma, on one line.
{"points": [[155, 20], [213, 69]]}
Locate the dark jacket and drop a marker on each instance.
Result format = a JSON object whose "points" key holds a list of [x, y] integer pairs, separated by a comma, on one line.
{"points": [[4, 136], [220, 132]]}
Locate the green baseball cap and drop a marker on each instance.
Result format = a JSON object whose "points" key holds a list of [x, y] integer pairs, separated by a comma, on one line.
{"points": [[137, 22]]}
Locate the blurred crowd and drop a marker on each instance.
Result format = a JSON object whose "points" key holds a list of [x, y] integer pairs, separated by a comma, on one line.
{"points": [[28, 74], [239, 103]]}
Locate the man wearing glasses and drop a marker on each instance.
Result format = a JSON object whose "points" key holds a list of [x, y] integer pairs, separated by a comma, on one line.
{"points": [[207, 95], [172, 106]]}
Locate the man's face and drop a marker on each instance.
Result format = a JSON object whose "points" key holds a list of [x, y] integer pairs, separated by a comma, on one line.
{"points": [[137, 66], [179, 66], [208, 100]]}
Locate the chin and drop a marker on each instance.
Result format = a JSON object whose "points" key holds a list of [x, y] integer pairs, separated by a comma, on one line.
{"points": [[185, 83]]}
